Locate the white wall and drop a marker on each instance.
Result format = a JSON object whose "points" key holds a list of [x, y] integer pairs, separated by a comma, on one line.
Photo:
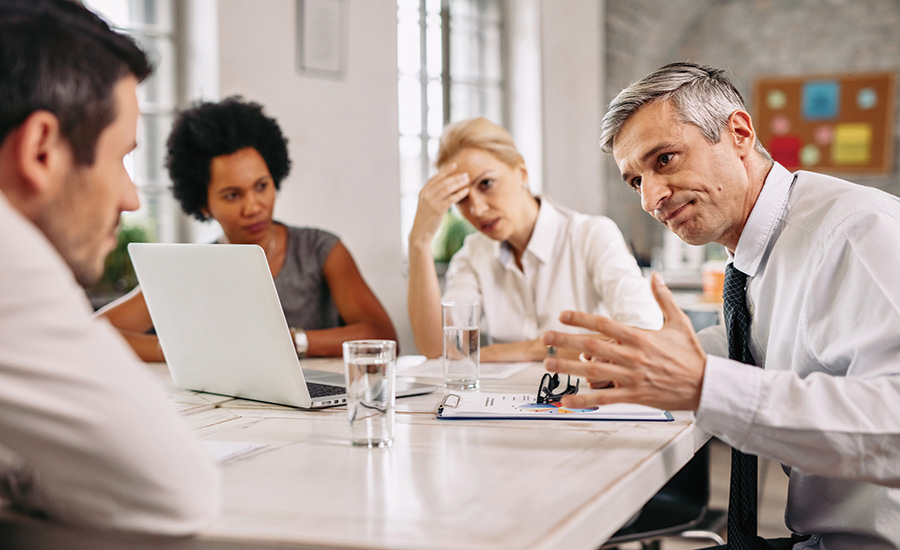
{"points": [[572, 58], [523, 73], [343, 132], [554, 91]]}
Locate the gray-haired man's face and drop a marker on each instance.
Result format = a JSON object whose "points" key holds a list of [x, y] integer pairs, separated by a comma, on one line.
{"points": [[695, 188]]}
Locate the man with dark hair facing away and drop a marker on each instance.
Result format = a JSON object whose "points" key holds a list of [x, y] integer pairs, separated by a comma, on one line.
{"points": [[87, 437]]}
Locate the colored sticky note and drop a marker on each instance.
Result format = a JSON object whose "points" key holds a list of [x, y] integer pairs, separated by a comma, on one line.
{"points": [[821, 99], [866, 98], [809, 155], [786, 150], [852, 144], [781, 125], [823, 134], [776, 99]]}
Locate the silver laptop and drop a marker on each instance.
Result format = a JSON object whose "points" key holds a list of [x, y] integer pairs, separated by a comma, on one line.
{"points": [[222, 329]]}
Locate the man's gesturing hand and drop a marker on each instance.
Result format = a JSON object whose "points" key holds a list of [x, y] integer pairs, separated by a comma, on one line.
{"points": [[660, 368]]}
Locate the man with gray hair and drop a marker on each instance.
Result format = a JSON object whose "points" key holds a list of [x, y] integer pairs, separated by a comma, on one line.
{"points": [[812, 310]]}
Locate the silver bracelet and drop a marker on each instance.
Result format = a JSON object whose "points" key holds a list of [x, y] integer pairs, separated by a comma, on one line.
{"points": [[301, 341]]}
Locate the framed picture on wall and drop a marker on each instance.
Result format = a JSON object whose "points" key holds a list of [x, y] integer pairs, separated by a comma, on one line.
{"points": [[321, 37]]}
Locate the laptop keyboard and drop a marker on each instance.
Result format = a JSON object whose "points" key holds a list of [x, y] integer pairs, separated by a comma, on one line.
{"points": [[323, 390]]}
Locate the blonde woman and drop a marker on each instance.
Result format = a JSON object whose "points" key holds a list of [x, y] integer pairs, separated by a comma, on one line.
{"points": [[529, 260]]}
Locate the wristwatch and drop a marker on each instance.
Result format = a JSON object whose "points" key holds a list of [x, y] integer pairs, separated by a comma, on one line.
{"points": [[301, 342]]}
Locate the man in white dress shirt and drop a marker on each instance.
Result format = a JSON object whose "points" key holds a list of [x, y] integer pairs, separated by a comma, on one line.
{"points": [[822, 259], [86, 436]]}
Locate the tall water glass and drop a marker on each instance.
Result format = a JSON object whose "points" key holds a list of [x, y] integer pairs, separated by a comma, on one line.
{"points": [[461, 344], [370, 368]]}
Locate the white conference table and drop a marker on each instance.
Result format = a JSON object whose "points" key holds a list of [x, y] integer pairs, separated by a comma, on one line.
{"points": [[475, 485]]}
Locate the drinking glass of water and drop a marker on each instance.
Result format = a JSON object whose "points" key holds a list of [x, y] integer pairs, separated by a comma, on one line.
{"points": [[461, 344], [370, 368]]}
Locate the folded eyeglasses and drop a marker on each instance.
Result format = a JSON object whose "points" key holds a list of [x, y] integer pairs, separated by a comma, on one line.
{"points": [[549, 383]]}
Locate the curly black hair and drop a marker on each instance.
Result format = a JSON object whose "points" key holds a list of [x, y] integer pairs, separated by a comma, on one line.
{"points": [[208, 130]]}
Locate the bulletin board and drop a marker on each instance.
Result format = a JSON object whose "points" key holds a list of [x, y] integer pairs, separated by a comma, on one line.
{"points": [[828, 123]]}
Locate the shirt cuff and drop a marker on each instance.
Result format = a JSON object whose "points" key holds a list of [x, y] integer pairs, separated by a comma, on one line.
{"points": [[729, 399]]}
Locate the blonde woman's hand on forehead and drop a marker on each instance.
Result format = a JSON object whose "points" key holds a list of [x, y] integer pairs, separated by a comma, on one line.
{"points": [[442, 191]]}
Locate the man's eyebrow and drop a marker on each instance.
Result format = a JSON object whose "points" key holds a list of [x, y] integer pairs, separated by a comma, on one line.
{"points": [[649, 154]]}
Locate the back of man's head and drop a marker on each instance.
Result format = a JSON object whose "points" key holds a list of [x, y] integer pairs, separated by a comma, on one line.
{"points": [[57, 56]]}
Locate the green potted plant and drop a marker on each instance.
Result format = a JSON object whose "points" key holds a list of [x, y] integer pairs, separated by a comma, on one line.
{"points": [[450, 236], [118, 274]]}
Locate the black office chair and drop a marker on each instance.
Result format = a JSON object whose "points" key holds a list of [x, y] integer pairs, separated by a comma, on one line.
{"points": [[679, 509]]}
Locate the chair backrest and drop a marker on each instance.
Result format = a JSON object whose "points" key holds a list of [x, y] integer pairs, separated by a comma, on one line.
{"points": [[690, 486]]}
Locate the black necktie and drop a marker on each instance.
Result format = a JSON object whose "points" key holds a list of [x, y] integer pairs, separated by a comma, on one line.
{"points": [[742, 494]]}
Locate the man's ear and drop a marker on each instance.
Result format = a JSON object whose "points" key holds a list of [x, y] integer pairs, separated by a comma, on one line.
{"points": [[740, 129], [42, 153]]}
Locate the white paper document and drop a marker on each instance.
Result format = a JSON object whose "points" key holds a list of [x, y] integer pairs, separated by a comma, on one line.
{"points": [[513, 406]]}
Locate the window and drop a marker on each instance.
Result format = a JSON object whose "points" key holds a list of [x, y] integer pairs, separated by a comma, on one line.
{"points": [[151, 24], [450, 67]]}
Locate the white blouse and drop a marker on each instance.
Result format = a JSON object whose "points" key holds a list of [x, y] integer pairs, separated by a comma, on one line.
{"points": [[572, 262]]}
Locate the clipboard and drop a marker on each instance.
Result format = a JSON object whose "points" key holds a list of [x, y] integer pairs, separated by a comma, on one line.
{"points": [[519, 406]]}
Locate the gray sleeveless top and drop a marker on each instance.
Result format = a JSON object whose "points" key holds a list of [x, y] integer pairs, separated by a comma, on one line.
{"points": [[302, 288]]}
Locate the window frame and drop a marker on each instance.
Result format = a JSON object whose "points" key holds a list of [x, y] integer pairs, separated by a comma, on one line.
{"points": [[483, 85], [158, 211]]}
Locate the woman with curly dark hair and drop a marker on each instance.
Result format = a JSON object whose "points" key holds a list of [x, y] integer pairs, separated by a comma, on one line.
{"points": [[226, 161]]}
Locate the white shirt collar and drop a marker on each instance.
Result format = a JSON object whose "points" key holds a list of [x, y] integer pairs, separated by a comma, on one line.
{"points": [[762, 224], [543, 237]]}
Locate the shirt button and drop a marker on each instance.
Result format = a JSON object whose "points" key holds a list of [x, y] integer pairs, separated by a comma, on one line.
{"points": [[750, 308]]}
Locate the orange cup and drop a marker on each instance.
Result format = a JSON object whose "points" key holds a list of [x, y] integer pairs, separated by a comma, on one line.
{"points": [[713, 281]]}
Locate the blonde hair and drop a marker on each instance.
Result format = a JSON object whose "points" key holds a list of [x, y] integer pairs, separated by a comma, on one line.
{"points": [[478, 133]]}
